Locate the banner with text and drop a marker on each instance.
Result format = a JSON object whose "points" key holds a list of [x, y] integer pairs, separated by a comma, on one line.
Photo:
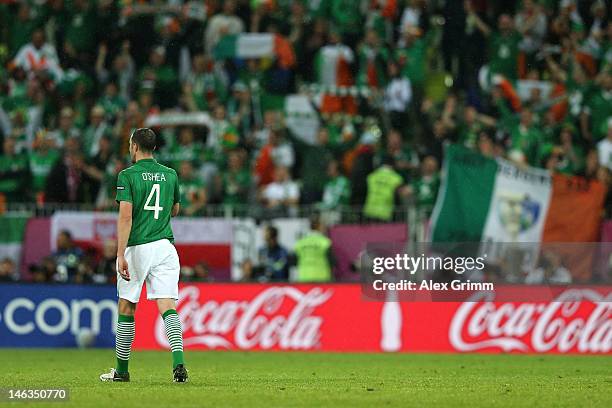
{"points": [[310, 318]]}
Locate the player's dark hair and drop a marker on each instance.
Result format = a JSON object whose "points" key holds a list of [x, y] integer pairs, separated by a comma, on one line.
{"points": [[145, 139]]}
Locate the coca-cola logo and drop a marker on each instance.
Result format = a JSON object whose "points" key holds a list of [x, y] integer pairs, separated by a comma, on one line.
{"points": [[563, 325], [280, 316]]}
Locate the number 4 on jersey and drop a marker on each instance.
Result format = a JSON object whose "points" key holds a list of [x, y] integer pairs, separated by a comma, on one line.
{"points": [[156, 208]]}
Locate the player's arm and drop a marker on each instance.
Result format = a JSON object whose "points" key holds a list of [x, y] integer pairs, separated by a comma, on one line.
{"points": [[177, 198], [124, 227], [124, 222]]}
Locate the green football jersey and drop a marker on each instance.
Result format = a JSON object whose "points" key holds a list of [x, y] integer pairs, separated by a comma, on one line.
{"points": [[153, 189]]}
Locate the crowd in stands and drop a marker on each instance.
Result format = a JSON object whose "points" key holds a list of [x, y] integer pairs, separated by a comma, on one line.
{"points": [[389, 81]]}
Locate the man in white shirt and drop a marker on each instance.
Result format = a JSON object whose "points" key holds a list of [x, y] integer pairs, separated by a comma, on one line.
{"points": [[282, 193], [38, 56], [221, 24]]}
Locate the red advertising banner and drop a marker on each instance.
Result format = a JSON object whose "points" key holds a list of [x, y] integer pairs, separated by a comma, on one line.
{"points": [[335, 318]]}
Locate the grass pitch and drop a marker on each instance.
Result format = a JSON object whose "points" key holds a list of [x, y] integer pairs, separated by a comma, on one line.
{"points": [[258, 379]]}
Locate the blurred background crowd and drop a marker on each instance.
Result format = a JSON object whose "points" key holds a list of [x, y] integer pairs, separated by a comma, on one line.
{"points": [[322, 103]]}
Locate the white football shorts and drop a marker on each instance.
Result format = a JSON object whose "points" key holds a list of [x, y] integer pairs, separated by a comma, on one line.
{"points": [[157, 264]]}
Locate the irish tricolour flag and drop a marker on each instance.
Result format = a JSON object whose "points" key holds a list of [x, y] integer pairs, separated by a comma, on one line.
{"points": [[486, 200], [256, 45]]}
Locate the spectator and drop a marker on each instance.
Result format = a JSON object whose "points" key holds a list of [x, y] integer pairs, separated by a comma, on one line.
{"points": [[235, 181], [405, 159], [66, 129], [120, 75], [193, 194], [96, 130], [276, 153], [282, 195], [81, 29], [66, 257], [398, 95], [503, 45], [598, 107], [573, 158], [531, 23], [361, 164], [187, 148], [337, 191], [161, 78], [111, 101], [333, 62], [105, 270], [314, 160], [373, 59], [201, 272], [604, 148], [246, 270], [39, 58], [525, 137], [70, 180], [273, 258], [204, 83], [425, 187], [224, 23], [383, 186], [314, 256], [42, 160], [21, 28], [550, 271], [8, 270], [14, 172]]}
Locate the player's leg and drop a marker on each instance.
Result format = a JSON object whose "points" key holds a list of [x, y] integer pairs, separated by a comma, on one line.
{"points": [[174, 332], [126, 331], [129, 293], [162, 286]]}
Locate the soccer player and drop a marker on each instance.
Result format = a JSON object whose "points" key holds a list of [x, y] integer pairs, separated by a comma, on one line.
{"points": [[148, 195]]}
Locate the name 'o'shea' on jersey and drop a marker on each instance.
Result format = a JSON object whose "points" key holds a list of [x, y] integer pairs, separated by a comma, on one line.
{"points": [[153, 189]]}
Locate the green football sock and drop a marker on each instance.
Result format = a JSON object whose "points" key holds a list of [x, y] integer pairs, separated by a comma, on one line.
{"points": [[125, 338], [175, 336]]}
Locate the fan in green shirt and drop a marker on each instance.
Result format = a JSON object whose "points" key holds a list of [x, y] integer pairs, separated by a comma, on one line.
{"points": [[412, 57], [236, 180], [337, 190], [525, 137], [504, 49], [346, 16], [81, 30], [192, 192], [187, 149], [503, 44], [599, 109], [20, 28], [161, 77], [111, 101], [14, 172], [373, 58], [573, 158], [425, 187], [42, 160]]}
